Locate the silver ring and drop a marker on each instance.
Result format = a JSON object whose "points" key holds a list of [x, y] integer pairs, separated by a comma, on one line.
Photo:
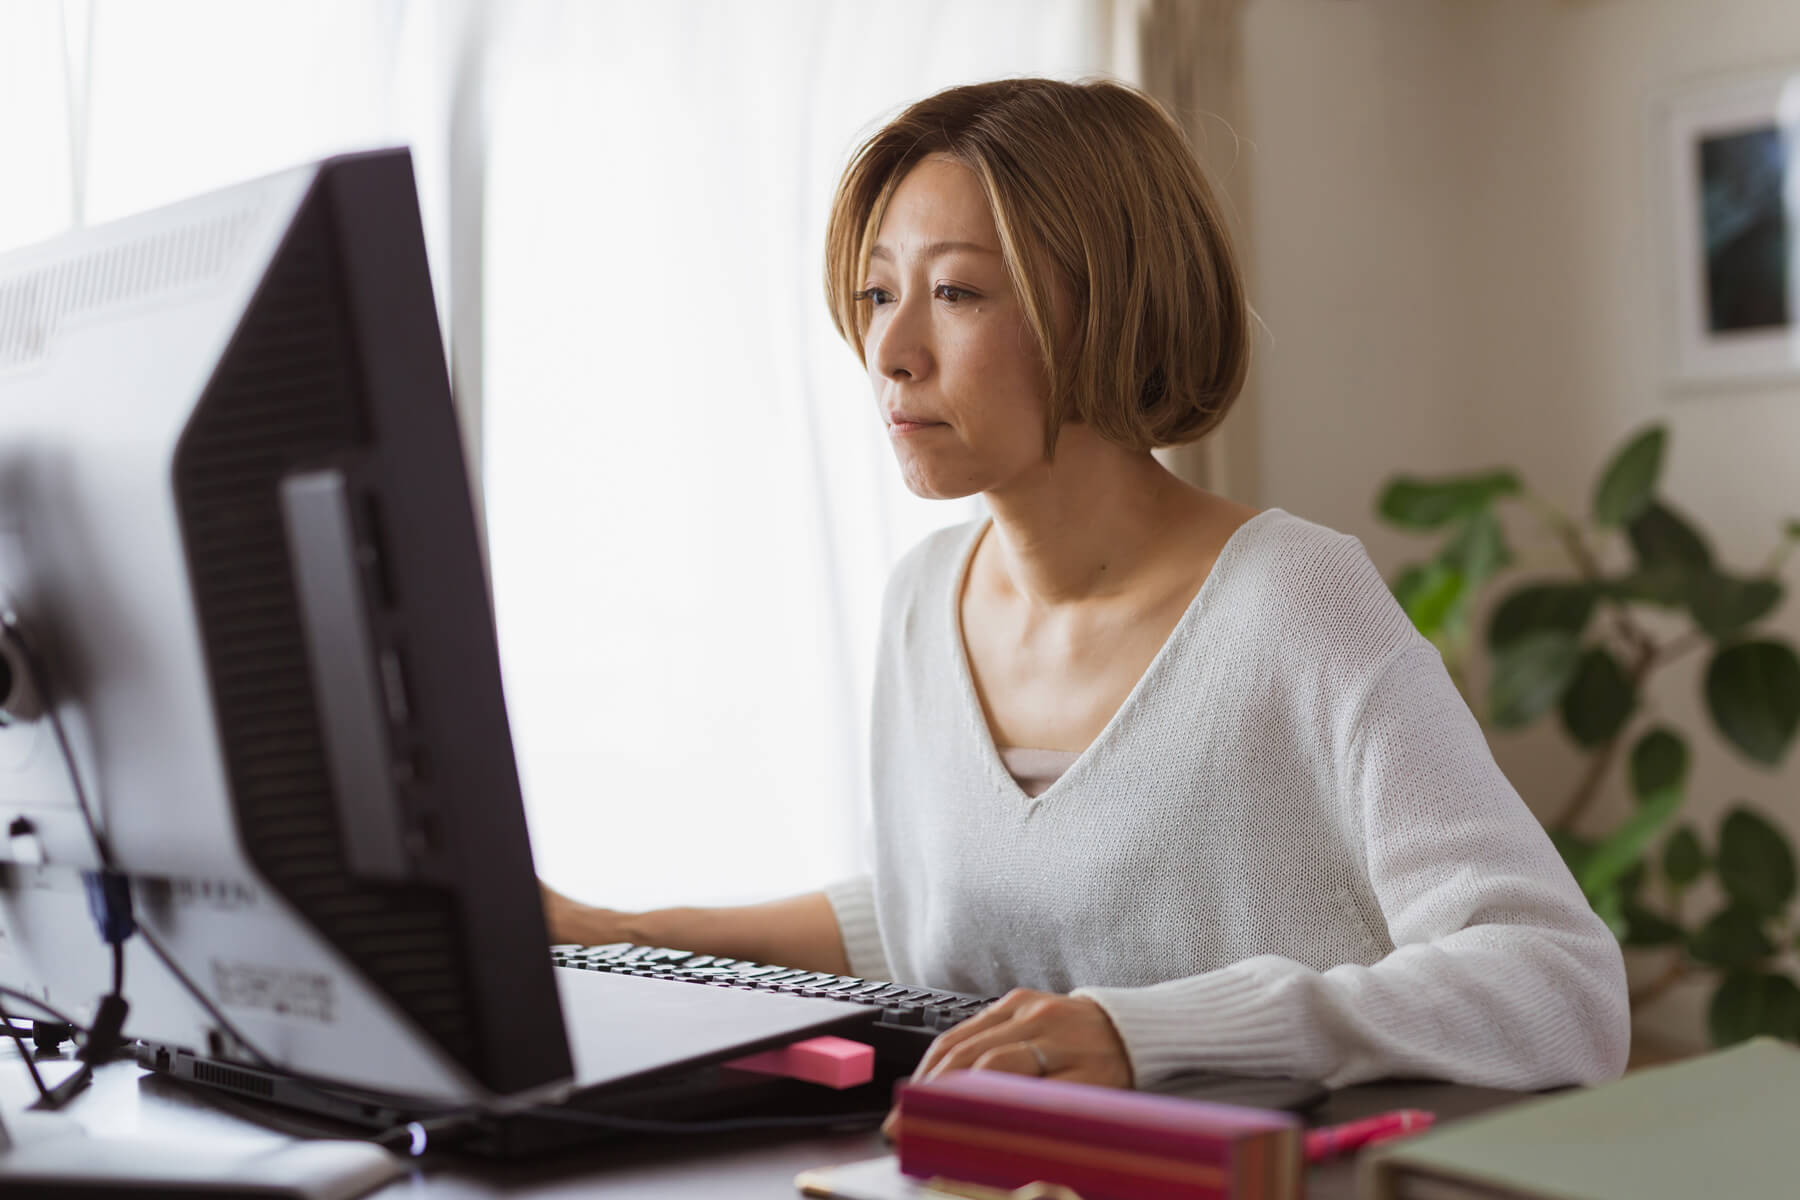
{"points": [[1042, 1062]]}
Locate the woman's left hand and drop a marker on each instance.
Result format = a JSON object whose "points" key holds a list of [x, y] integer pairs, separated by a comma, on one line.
{"points": [[1032, 1033]]}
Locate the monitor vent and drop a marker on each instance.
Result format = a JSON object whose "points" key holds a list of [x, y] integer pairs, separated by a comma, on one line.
{"points": [[36, 305], [237, 1081], [287, 395]]}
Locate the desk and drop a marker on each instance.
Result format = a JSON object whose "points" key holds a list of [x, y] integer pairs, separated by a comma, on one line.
{"points": [[125, 1100]]}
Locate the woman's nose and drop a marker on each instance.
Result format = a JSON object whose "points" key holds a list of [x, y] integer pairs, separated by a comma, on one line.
{"points": [[901, 349]]}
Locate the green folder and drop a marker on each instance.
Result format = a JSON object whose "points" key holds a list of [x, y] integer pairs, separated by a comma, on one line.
{"points": [[1722, 1125]]}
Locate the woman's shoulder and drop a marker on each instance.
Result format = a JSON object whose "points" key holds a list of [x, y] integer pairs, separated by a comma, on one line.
{"points": [[1311, 588]]}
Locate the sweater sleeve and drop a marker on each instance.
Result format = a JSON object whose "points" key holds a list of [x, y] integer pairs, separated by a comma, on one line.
{"points": [[853, 903], [1501, 974]]}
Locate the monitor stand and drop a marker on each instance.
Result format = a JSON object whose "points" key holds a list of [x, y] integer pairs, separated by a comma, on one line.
{"points": [[49, 1155]]}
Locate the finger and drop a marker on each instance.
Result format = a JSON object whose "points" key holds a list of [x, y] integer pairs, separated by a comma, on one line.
{"points": [[1015, 1058], [966, 1054], [995, 1014]]}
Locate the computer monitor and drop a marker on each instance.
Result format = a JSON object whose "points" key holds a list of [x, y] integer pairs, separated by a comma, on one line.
{"points": [[237, 534]]}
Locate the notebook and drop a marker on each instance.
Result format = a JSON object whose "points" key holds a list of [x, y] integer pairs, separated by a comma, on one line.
{"points": [[1723, 1124]]}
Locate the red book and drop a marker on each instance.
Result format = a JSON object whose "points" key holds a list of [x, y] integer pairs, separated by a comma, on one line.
{"points": [[1006, 1131]]}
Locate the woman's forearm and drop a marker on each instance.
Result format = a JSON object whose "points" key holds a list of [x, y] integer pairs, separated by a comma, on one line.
{"points": [[800, 931]]}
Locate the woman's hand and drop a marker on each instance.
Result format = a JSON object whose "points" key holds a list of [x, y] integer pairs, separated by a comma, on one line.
{"points": [[1032, 1033], [574, 923]]}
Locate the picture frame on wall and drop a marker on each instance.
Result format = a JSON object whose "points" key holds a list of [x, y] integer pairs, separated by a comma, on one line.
{"points": [[1731, 153]]}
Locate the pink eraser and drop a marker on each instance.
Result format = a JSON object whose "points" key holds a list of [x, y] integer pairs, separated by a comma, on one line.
{"points": [[833, 1061]]}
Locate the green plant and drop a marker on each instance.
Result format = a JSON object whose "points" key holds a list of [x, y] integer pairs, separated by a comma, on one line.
{"points": [[1586, 644]]}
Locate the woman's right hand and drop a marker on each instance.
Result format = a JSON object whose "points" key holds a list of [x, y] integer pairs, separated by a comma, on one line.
{"points": [[574, 923]]}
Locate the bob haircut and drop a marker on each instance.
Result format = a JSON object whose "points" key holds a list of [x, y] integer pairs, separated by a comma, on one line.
{"points": [[1112, 237]]}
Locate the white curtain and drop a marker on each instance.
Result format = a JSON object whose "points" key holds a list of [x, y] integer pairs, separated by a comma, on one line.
{"points": [[691, 506], [109, 107]]}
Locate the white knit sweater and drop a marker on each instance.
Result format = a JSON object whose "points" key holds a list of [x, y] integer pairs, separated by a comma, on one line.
{"points": [[1289, 853]]}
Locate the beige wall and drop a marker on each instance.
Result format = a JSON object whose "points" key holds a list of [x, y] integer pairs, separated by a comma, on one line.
{"points": [[1456, 257]]}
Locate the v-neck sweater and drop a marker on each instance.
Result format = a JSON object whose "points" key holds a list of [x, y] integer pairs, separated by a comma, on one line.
{"points": [[1290, 852]]}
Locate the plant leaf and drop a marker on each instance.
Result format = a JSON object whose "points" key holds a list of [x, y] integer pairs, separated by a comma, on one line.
{"points": [[1734, 937], [1621, 850], [1665, 585], [1540, 607], [1530, 676], [1753, 692], [1630, 479], [1662, 538], [1479, 549], [1793, 530], [1646, 928], [1429, 593], [1658, 761], [1433, 503], [1683, 859], [1599, 700], [1722, 605], [1749, 1003], [1755, 864]]}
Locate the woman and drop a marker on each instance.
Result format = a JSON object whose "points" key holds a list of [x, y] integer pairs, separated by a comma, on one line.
{"points": [[1177, 773]]}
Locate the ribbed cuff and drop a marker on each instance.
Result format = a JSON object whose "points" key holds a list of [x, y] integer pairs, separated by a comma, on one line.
{"points": [[1246, 1019], [853, 902]]}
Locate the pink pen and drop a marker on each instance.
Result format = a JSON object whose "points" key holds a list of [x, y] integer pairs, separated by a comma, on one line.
{"points": [[1352, 1135]]}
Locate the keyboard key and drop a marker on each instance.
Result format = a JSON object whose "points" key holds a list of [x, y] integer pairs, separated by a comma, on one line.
{"points": [[609, 951]]}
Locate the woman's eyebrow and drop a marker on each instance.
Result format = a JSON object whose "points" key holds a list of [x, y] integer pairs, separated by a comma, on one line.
{"points": [[934, 250]]}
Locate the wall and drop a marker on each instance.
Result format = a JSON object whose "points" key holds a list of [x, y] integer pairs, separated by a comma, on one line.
{"points": [[1456, 250]]}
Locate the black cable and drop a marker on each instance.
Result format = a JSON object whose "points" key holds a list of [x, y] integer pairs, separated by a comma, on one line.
{"points": [[40, 683], [30, 1062], [212, 1010], [415, 1137], [71, 1087], [728, 1125], [104, 852], [108, 891], [49, 1010]]}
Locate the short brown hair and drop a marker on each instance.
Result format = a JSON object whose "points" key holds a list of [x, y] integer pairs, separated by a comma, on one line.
{"points": [[1094, 190]]}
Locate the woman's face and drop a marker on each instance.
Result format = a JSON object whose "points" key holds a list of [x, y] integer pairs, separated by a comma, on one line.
{"points": [[956, 372]]}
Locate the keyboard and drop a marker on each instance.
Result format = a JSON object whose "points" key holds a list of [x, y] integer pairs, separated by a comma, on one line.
{"points": [[908, 1020]]}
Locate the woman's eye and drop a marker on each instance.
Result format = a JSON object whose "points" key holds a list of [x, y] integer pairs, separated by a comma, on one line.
{"points": [[952, 293], [874, 295]]}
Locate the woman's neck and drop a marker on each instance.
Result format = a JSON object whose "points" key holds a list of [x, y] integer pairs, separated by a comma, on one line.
{"points": [[1089, 524]]}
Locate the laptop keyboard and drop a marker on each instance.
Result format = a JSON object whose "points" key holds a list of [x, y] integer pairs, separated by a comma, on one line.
{"points": [[908, 1014]]}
